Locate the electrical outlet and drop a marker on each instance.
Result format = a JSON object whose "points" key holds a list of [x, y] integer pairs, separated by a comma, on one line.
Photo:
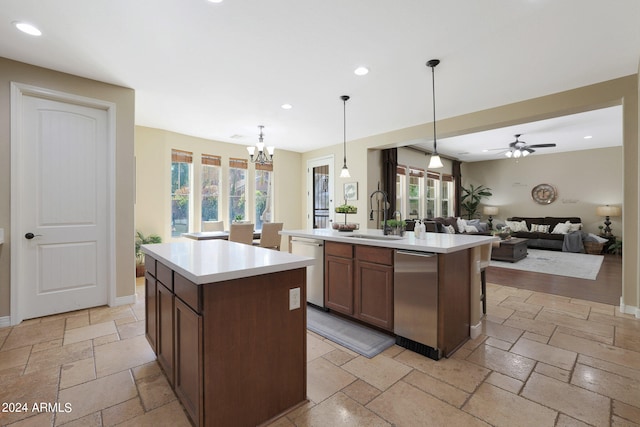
{"points": [[294, 298]]}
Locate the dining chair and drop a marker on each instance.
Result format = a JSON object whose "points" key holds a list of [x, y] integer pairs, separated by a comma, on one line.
{"points": [[212, 225], [241, 233], [485, 261], [269, 238]]}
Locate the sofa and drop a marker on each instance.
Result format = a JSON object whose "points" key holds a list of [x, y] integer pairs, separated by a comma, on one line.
{"points": [[540, 230]]}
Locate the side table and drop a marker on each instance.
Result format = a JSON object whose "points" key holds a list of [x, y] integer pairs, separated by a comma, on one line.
{"points": [[511, 250], [611, 239]]}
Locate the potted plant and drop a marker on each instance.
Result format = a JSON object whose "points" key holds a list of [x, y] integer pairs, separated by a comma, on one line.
{"points": [[141, 239], [396, 227], [471, 197]]}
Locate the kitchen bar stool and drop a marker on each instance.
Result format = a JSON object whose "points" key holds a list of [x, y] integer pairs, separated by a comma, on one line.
{"points": [[485, 260]]}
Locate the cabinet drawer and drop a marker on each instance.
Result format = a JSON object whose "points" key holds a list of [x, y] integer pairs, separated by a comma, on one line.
{"points": [[164, 275], [150, 265], [187, 291], [343, 250], [374, 254]]}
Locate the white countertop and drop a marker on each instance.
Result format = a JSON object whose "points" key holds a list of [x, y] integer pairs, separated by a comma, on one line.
{"points": [[434, 242], [207, 261]]}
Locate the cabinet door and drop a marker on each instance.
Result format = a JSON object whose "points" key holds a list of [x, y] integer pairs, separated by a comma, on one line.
{"points": [[374, 294], [165, 331], [338, 276], [188, 359], [151, 330]]}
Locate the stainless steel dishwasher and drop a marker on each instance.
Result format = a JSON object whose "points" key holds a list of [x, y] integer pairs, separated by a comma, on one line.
{"points": [[415, 299], [315, 273]]}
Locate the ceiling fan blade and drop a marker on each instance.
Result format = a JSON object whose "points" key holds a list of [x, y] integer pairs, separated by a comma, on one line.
{"points": [[529, 149], [542, 145]]}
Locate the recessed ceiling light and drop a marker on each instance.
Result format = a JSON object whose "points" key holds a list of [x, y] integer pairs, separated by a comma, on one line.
{"points": [[588, 137], [286, 106], [215, 1], [361, 71], [485, 150], [27, 28]]}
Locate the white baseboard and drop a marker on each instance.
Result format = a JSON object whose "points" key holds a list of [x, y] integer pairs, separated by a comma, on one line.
{"points": [[125, 300], [476, 330], [5, 321], [629, 309]]}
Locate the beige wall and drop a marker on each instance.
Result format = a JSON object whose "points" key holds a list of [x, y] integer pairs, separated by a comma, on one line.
{"points": [[583, 179], [153, 176], [11, 71], [623, 91]]}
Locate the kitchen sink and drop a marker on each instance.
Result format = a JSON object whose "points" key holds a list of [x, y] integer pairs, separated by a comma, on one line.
{"points": [[367, 236]]}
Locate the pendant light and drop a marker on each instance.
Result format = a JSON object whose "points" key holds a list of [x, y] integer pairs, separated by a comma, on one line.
{"points": [[434, 162], [345, 170]]}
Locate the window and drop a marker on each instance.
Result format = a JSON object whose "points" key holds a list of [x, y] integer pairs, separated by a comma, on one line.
{"points": [[237, 189], [431, 194], [446, 196], [416, 195], [210, 189], [401, 179], [439, 195], [181, 170], [263, 194]]}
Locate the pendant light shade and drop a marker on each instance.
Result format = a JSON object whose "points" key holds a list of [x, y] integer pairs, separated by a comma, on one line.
{"points": [[435, 162], [344, 173]]}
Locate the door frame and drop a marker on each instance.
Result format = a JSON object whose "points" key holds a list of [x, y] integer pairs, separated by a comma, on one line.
{"points": [[312, 163], [18, 92]]}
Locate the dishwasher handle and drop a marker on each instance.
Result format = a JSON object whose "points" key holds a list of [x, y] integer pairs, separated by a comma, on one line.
{"points": [[414, 253], [300, 242]]}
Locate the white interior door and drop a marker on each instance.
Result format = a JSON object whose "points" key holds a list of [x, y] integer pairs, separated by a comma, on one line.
{"points": [[60, 228]]}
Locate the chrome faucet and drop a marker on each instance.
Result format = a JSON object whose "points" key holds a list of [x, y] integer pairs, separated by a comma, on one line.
{"points": [[385, 230]]}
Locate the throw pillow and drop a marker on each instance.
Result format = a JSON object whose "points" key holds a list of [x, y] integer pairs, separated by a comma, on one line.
{"points": [[470, 229], [461, 224], [449, 229], [574, 227], [516, 226], [561, 228], [540, 228]]}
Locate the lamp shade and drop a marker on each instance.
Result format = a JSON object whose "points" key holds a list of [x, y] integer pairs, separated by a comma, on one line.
{"points": [[608, 210], [490, 210]]}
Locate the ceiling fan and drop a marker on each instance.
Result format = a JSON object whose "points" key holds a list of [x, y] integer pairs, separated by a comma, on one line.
{"points": [[521, 149]]}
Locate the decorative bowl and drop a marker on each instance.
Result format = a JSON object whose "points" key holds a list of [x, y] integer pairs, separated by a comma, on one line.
{"points": [[345, 226]]}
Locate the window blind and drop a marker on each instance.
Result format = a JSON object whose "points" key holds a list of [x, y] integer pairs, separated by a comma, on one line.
{"points": [[211, 160], [238, 163], [180, 156]]}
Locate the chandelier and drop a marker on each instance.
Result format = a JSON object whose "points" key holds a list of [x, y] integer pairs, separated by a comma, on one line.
{"points": [[262, 157]]}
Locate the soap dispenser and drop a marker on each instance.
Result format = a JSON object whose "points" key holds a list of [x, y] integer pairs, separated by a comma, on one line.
{"points": [[416, 228], [423, 230]]}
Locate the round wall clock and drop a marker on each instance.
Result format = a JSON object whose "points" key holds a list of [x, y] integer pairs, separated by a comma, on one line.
{"points": [[544, 194]]}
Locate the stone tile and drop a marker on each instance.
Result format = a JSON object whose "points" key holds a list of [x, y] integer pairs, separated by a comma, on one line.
{"points": [[393, 351], [325, 379], [171, 414], [126, 320], [120, 355], [105, 339], [77, 372], [338, 357], [96, 395], [89, 332], [404, 405], [596, 307], [155, 391], [459, 373], [520, 306], [461, 353], [584, 334], [559, 303], [509, 384], [567, 421], [379, 371], [627, 338], [40, 420], [619, 422], [539, 327], [316, 347], [502, 408], [91, 420], [33, 333], [361, 392], [499, 312], [553, 372], [574, 401], [39, 386], [14, 358], [131, 329], [495, 342], [607, 384], [77, 321], [505, 333], [146, 370], [627, 412], [583, 325], [623, 320], [47, 345], [105, 314], [59, 356], [339, 409], [605, 365], [472, 344], [545, 353], [441, 390], [535, 337], [616, 355], [507, 363]]}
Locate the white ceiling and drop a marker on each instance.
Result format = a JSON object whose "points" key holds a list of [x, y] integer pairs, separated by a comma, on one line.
{"points": [[218, 71]]}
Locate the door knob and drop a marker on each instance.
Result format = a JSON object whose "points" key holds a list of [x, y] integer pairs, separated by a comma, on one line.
{"points": [[30, 236]]}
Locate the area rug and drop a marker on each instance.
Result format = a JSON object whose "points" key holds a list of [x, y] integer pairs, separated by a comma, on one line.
{"points": [[582, 266], [362, 340]]}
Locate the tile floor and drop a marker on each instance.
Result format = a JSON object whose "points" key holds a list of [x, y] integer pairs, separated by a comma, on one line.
{"points": [[542, 360]]}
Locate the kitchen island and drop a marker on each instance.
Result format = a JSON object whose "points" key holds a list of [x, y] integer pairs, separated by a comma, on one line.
{"points": [[228, 326], [425, 291]]}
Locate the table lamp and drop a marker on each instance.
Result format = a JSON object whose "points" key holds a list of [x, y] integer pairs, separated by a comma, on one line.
{"points": [[490, 210], [607, 212]]}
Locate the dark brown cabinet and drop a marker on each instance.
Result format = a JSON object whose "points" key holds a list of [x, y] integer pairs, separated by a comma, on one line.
{"points": [[164, 347], [338, 272], [150, 309], [188, 362], [359, 282]]}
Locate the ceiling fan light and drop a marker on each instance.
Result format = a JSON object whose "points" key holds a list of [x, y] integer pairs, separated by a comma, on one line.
{"points": [[525, 153], [517, 153], [509, 154]]}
